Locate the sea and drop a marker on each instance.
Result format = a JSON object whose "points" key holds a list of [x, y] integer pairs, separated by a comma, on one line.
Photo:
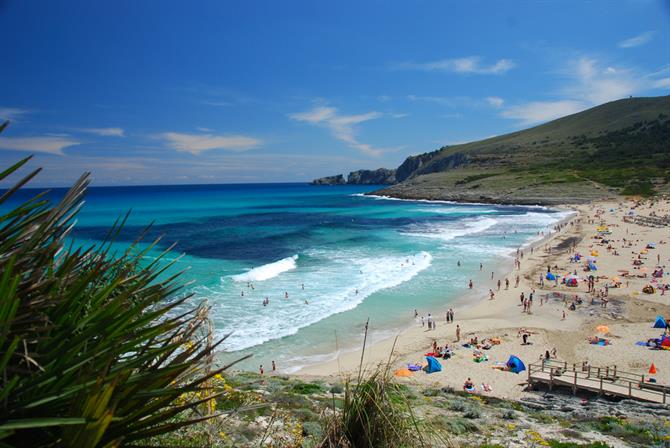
{"points": [[326, 260]]}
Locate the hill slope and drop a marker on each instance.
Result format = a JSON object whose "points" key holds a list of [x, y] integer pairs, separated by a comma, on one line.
{"points": [[617, 147]]}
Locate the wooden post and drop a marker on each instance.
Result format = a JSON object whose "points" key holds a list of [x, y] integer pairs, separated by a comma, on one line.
{"points": [[599, 373], [664, 395], [565, 366], [630, 389], [574, 386], [551, 379], [601, 386], [614, 372], [607, 372]]}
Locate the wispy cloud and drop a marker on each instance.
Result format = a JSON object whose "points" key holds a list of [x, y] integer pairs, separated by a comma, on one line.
{"points": [[104, 132], [471, 64], [341, 126], [636, 41], [588, 82], [663, 83], [11, 113], [49, 145], [198, 143], [539, 111], [495, 101]]}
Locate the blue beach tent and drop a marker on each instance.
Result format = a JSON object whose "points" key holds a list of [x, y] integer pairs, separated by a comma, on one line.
{"points": [[660, 322], [515, 364], [551, 276], [433, 365], [592, 266]]}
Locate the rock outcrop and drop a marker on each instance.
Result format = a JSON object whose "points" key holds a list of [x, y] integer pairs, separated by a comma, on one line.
{"points": [[330, 180], [381, 176]]}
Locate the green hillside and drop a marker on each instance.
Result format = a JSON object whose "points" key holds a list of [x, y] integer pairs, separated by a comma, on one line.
{"points": [[622, 147]]}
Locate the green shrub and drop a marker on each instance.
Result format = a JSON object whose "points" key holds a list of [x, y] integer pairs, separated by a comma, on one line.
{"points": [[95, 349]]}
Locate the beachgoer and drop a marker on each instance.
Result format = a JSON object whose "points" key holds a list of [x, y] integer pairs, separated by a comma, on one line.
{"points": [[480, 266], [274, 366], [458, 332], [492, 294], [261, 370], [458, 263], [468, 385], [470, 284], [416, 314]]}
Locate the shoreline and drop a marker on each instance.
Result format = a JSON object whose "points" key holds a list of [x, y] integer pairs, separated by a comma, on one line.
{"points": [[628, 316], [459, 302]]}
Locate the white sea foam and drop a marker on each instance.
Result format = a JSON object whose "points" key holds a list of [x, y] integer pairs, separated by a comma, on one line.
{"points": [[448, 231], [267, 271], [341, 282]]}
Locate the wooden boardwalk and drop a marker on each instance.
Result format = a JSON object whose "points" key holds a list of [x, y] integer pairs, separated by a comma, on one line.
{"points": [[601, 380]]}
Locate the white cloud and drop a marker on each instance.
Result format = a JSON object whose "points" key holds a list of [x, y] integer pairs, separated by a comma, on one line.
{"points": [[104, 132], [589, 83], [49, 145], [471, 64], [663, 83], [495, 101], [636, 41], [341, 126], [11, 113], [539, 111], [197, 143]]}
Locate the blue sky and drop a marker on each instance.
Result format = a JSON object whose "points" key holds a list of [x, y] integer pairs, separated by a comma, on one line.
{"points": [[162, 92]]}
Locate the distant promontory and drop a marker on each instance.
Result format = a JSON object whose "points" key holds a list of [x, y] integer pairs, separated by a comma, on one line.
{"points": [[381, 176]]}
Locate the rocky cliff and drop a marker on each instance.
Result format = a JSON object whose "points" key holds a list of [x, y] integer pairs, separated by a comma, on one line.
{"points": [[381, 176], [330, 180]]}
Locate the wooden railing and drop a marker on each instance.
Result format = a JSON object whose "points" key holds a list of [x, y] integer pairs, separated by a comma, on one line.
{"points": [[608, 379]]}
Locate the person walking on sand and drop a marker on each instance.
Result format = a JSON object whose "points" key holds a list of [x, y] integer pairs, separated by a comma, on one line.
{"points": [[506, 283], [516, 283], [481, 266], [499, 284], [458, 333], [491, 275], [274, 366], [470, 284], [416, 314], [491, 294], [261, 370]]}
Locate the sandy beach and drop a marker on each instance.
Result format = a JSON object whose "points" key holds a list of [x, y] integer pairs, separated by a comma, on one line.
{"points": [[629, 313]]}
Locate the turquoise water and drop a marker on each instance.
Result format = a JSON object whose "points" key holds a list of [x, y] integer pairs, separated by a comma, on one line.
{"points": [[340, 256]]}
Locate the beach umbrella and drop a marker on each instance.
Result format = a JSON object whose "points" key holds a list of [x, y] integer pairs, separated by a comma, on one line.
{"points": [[602, 329], [652, 369]]}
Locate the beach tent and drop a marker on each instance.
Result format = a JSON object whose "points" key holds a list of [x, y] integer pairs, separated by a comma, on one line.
{"points": [[594, 253], [592, 266], [403, 372], [433, 365], [571, 281], [660, 322], [651, 245], [515, 364], [551, 276], [665, 342]]}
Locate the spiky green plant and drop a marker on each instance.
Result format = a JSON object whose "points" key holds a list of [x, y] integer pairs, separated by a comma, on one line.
{"points": [[376, 413], [96, 349]]}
